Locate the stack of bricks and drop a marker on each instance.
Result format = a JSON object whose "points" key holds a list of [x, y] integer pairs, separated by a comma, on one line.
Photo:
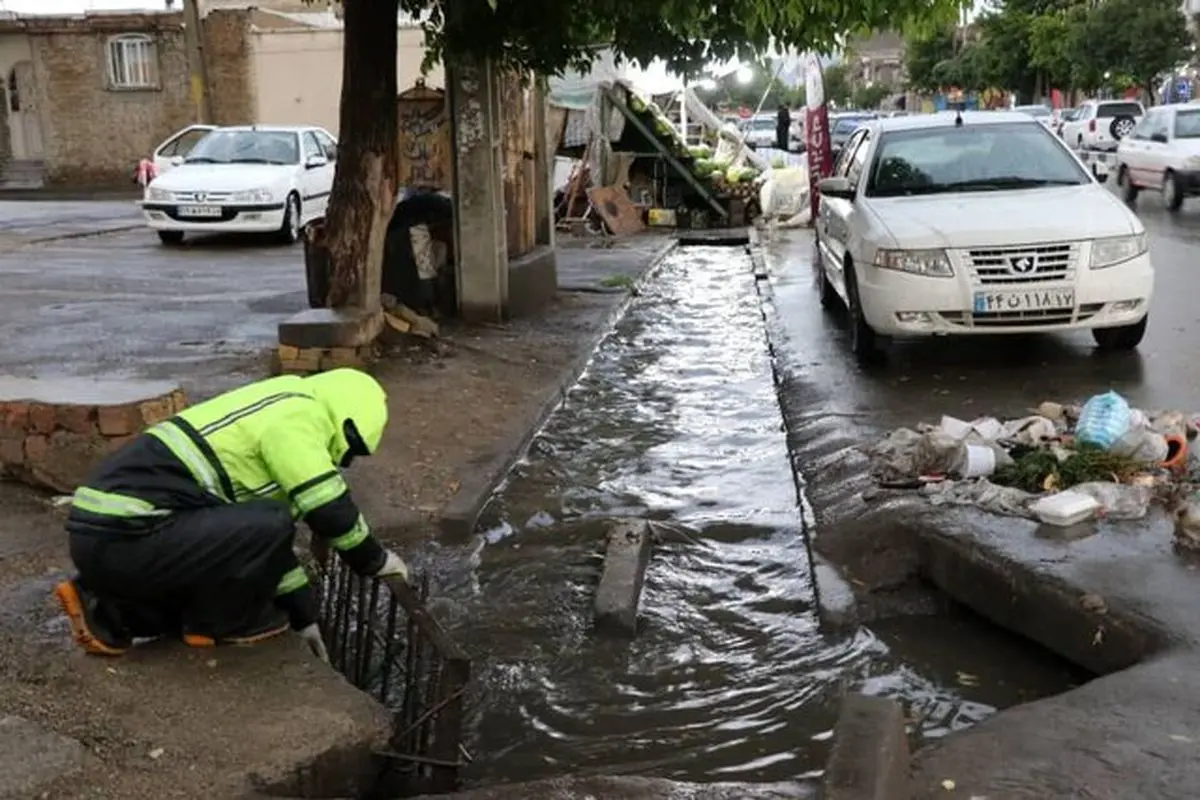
{"points": [[311, 360], [53, 444]]}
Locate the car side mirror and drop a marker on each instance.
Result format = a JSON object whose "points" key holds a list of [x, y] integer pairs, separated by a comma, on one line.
{"points": [[176, 161], [315, 161], [836, 186], [1161, 138]]}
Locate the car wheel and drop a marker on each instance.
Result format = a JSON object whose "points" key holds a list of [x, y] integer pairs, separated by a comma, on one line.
{"points": [[1121, 127], [1129, 192], [864, 342], [1172, 197], [1123, 337], [289, 231], [170, 237]]}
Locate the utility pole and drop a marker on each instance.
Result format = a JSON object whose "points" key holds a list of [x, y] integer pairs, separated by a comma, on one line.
{"points": [[198, 75]]}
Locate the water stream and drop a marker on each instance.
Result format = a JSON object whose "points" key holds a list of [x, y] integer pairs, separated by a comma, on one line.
{"points": [[730, 677]]}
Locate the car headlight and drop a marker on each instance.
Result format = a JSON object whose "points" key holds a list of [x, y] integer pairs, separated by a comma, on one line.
{"points": [[251, 196], [1117, 249], [931, 263], [160, 195]]}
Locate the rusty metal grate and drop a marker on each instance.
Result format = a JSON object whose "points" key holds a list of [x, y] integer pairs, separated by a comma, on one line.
{"points": [[383, 639]]}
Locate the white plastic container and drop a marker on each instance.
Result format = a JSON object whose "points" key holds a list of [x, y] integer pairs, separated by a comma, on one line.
{"points": [[979, 461], [1065, 508]]}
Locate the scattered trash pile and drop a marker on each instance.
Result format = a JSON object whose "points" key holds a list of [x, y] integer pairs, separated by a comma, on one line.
{"points": [[1062, 464]]}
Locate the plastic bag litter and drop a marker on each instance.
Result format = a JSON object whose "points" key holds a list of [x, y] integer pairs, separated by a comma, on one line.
{"points": [[1118, 500], [982, 494], [1031, 430], [783, 197], [1103, 420], [1141, 443], [894, 460]]}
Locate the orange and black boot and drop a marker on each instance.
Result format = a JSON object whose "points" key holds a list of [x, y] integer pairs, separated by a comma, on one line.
{"points": [[88, 627], [271, 623]]}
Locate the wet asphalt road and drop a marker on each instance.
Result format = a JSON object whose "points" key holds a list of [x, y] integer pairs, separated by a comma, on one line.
{"points": [[123, 305], [978, 376]]}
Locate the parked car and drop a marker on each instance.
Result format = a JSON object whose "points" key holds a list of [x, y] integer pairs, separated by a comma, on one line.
{"points": [[176, 147], [1042, 113], [1062, 117], [1100, 124], [934, 227], [841, 126], [759, 130], [1162, 155], [245, 179]]}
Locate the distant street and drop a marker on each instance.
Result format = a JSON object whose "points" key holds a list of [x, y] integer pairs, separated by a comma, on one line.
{"points": [[122, 304], [975, 376]]}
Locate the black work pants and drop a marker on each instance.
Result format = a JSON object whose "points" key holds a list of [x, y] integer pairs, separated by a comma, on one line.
{"points": [[781, 137], [209, 571]]}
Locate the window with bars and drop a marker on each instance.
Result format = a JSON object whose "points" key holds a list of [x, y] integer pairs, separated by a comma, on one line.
{"points": [[132, 62]]}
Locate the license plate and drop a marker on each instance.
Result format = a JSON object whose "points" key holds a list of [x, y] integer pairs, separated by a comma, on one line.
{"points": [[199, 211], [1035, 300]]}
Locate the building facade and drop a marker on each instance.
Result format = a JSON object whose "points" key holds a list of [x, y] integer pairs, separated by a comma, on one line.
{"points": [[84, 97]]}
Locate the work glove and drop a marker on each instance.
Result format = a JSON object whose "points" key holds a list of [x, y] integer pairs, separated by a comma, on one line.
{"points": [[393, 567], [312, 637]]}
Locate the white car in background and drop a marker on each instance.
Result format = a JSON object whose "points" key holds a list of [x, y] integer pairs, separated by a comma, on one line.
{"points": [[172, 152], [984, 223], [1101, 124], [759, 130], [245, 179], [1162, 155]]}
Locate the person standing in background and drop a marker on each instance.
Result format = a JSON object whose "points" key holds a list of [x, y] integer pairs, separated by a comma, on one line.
{"points": [[783, 125]]}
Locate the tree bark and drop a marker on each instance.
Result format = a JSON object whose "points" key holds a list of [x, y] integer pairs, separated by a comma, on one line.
{"points": [[364, 184]]}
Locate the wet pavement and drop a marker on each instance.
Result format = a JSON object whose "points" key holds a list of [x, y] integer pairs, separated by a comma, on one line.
{"points": [[731, 677], [24, 221], [122, 305]]}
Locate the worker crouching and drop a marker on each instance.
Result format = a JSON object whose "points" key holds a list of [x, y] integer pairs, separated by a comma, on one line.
{"points": [[189, 529]]}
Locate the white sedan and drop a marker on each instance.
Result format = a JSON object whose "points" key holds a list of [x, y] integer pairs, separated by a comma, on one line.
{"points": [[981, 223], [246, 179]]}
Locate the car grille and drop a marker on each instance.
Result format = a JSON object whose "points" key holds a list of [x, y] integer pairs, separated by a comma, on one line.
{"points": [[1023, 265], [1022, 319], [202, 198]]}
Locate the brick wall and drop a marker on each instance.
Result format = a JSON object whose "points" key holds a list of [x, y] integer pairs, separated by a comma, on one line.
{"points": [[95, 134]]}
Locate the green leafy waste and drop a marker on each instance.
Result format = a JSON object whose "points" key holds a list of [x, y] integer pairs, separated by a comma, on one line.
{"points": [[1040, 470]]}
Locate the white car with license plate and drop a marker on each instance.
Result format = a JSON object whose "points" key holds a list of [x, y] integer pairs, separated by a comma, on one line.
{"points": [[979, 223], [245, 179], [1162, 154]]}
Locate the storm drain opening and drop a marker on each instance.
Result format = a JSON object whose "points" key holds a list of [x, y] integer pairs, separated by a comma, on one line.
{"points": [[382, 638]]}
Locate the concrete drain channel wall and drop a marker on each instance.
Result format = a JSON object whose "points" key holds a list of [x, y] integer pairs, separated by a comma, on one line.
{"points": [[382, 638]]}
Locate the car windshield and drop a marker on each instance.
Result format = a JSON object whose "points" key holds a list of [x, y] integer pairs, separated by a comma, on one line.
{"points": [[1037, 112], [246, 147], [848, 125], [762, 124], [1187, 124], [971, 158], [1070, 114], [1109, 110]]}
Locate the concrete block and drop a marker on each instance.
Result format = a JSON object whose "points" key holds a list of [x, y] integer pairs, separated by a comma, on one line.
{"points": [[32, 757], [620, 590], [870, 758], [330, 327], [532, 281]]}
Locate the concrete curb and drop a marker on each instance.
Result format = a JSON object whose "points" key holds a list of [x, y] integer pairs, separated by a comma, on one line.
{"points": [[460, 515], [85, 234], [835, 599], [870, 757]]}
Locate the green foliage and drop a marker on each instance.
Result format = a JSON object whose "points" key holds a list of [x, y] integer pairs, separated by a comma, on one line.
{"points": [[729, 92], [548, 36], [870, 96], [1028, 46], [837, 85]]}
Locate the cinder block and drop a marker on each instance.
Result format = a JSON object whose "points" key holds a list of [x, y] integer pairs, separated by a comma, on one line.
{"points": [[870, 757], [620, 591]]}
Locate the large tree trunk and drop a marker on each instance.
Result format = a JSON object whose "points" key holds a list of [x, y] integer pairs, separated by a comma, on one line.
{"points": [[364, 186]]}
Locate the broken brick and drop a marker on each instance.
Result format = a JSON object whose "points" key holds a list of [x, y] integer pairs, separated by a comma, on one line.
{"points": [[14, 414], [41, 418], [119, 420], [77, 419]]}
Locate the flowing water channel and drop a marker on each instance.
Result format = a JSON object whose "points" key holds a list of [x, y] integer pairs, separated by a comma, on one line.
{"points": [[730, 677]]}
